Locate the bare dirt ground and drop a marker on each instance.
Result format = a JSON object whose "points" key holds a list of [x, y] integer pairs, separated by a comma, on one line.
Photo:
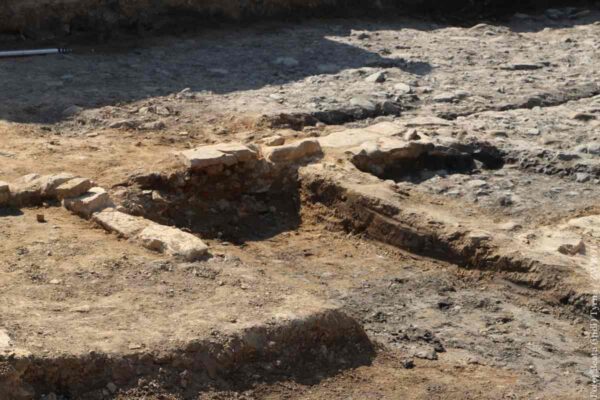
{"points": [[311, 269]]}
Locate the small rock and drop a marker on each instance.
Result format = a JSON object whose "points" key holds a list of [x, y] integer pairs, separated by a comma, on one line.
{"points": [[510, 226], [82, 309], [111, 387], [589, 148], [275, 140], [40, 218], [477, 237], [124, 123], [445, 97], [403, 88], [293, 152], [408, 364], [153, 126], [377, 77], [5, 341], [411, 134], [430, 354], [582, 177], [477, 183], [363, 103]]}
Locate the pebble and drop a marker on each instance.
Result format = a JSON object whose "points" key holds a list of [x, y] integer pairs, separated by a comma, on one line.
{"points": [[427, 354], [445, 97], [111, 387], [403, 88], [477, 183], [377, 77], [582, 177]]}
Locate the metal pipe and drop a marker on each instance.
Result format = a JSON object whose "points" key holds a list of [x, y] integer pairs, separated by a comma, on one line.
{"points": [[36, 52]]}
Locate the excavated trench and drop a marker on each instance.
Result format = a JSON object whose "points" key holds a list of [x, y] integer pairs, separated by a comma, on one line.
{"points": [[257, 200], [324, 342], [429, 161], [251, 200]]}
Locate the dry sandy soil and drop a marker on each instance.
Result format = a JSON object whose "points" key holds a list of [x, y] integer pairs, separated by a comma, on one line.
{"points": [[357, 277]]}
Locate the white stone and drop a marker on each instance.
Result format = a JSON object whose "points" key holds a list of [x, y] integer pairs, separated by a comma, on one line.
{"points": [[225, 154], [50, 183], [293, 151], [123, 224], [97, 199], [427, 121], [445, 97], [73, 188], [393, 148], [26, 191], [377, 77], [402, 88], [363, 102], [172, 241], [477, 183], [5, 342], [275, 140]]}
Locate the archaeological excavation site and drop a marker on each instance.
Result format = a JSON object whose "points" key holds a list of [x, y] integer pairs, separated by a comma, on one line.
{"points": [[299, 199]]}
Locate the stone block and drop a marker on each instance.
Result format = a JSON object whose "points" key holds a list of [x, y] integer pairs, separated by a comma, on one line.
{"points": [[224, 154], [49, 183], [294, 151], [124, 225], [97, 199], [73, 188], [172, 241]]}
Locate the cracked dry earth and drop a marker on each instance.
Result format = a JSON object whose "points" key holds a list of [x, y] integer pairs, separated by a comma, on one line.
{"points": [[410, 210]]}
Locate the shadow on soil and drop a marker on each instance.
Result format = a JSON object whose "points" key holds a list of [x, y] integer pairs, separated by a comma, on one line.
{"points": [[221, 61], [10, 212], [40, 89]]}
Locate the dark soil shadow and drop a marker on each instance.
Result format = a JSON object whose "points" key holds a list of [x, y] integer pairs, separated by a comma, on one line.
{"points": [[234, 57]]}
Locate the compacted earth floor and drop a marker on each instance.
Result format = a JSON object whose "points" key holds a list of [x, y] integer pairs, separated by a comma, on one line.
{"points": [[528, 87]]}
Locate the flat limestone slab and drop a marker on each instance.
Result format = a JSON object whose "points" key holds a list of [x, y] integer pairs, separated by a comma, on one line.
{"points": [[73, 188], [355, 137], [50, 183], [93, 201], [225, 154], [123, 224], [293, 151], [173, 241], [347, 138]]}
